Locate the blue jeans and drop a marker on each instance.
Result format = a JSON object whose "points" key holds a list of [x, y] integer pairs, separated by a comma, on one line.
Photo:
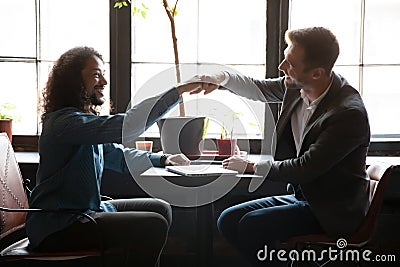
{"points": [[263, 223]]}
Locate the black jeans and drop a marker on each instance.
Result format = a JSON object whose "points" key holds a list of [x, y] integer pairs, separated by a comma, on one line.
{"points": [[133, 236]]}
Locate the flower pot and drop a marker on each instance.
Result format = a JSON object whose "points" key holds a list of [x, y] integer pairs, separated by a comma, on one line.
{"points": [[182, 135], [6, 126], [226, 147]]}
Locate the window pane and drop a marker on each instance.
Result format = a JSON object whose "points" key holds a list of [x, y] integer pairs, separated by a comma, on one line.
{"points": [[232, 31], [18, 28], [381, 98], [350, 73], [142, 73], [244, 117], [378, 41], [249, 115], [66, 24], [152, 41], [326, 13], [63, 25], [201, 39], [22, 93], [254, 71], [381, 31]]}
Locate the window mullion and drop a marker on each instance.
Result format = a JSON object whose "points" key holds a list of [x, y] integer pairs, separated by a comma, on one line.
{"points": [[362, 32], [37, 60], [120, 57]]}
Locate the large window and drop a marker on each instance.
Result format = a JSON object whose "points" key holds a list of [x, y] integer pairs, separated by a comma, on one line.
{"points": [[231, 33], [34, 34], [227, 32], [366, 30]]}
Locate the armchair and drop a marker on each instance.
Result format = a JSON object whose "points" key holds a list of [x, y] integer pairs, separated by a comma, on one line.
{"points": [[13, 209]]}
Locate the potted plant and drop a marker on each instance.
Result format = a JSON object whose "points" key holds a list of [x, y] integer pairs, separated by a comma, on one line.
{"points": [[7, 115], [227, 144]]}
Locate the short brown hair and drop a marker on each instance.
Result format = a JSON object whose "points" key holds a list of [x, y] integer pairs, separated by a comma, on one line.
{"points": [[320, 45]]}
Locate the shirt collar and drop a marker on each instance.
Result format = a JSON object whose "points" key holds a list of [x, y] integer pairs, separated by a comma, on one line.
{"points": [[314, 104]]}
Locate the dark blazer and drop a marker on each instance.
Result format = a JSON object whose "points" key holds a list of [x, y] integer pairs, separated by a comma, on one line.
{"points": [[330, 169]]}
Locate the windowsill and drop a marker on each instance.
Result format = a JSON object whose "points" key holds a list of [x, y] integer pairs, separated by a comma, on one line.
{"points": [[380, 146], [385, 139], [384, 146], [210, 136], [33, 158], [27, 157], [25, 143]]}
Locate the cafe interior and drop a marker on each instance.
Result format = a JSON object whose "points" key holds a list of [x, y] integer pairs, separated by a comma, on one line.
{"points": [[149, 47]]}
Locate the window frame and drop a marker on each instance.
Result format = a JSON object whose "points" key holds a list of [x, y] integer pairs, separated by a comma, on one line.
{"points": [[120, 73], [380, 144]]}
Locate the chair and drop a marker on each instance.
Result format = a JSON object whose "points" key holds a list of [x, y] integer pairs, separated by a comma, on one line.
{"points": [[379, 174], [13, 208]]}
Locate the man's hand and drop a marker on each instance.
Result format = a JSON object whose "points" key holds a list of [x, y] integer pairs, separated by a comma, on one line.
{"points": [[189, 86], [238, 164], [177, 159], [205, 83]]}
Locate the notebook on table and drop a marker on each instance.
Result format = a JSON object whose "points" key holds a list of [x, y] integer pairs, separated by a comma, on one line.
{"points": [[200, 170]]}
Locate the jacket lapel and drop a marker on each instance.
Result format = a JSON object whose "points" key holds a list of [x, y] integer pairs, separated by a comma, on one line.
{"points": [[292, 98], [323, 106]]}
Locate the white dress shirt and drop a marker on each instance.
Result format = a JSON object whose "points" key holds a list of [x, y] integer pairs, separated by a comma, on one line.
{"points": [[302, 114]]}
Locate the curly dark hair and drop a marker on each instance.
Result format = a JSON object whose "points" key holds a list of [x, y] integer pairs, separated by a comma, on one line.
{"points": [[64, 87]]}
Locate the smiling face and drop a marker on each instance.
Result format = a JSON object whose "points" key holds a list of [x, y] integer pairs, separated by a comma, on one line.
{"points": [[296, 74], [94, 80]]}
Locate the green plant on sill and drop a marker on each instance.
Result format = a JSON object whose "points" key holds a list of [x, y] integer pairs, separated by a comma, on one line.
{"points": [[205, 128], [224, 131], [8, 112]]}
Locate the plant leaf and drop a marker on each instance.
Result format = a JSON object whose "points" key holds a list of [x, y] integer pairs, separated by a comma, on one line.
{"points": [[205, 128]]}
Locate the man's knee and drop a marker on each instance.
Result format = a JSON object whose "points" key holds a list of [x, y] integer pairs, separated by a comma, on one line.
{"points": [[166, 207], [221, 222], [150, 234], [227, 222], [163, 208], [156, 224], [249, 227]]}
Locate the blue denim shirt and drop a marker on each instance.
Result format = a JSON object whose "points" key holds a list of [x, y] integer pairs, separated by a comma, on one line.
{"points": [[75, 148]]}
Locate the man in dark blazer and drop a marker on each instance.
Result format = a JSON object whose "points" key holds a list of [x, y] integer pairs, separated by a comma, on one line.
{"points": [[322, 137]]}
